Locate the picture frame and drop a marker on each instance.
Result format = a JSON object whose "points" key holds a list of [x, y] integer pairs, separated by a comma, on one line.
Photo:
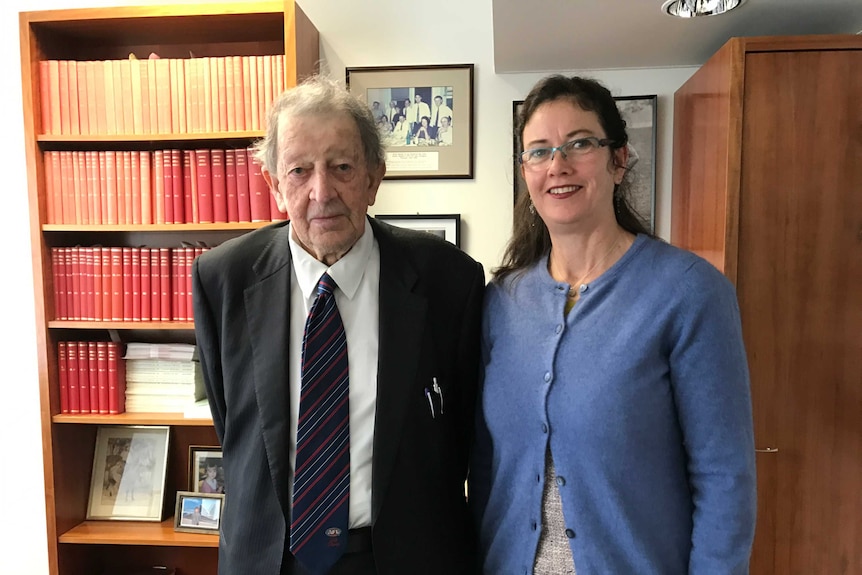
{"points": [[206, 472], [640, 114], [414, 151], [198, 512], [129, 471], [446, 226]]}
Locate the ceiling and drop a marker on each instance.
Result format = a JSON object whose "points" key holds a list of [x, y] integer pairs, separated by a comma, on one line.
{"points": [[558, 35]]}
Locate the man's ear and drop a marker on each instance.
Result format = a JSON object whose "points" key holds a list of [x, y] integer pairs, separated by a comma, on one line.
{"points": [[272, 182]]}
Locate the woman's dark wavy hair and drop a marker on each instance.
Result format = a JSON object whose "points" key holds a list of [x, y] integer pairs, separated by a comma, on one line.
{"points": [[530, 240]]}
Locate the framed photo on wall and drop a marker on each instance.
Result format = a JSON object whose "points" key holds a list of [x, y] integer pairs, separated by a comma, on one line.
{"points": [[424, 115], [128, 480], [446, 226], [639, 113]]}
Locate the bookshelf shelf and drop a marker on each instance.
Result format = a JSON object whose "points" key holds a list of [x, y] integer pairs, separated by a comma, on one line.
{"points": [[135, 533], [276, 39], [134, 419], [241, 226]]}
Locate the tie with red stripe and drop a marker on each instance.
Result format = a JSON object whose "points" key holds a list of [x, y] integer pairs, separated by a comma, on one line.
{"points": [[321, 484]]}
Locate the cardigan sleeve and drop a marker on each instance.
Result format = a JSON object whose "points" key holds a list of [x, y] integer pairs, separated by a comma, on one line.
{"points": [[709, 374]]}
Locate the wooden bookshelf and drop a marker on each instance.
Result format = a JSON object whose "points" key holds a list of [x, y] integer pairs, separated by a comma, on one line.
{"points": [[216, 30]]}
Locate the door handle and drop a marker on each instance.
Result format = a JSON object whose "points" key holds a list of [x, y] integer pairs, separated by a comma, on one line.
{"points": [[767, 450]]}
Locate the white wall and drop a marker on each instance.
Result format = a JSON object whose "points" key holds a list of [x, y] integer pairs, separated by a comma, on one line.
{"points": [[352, 34]]}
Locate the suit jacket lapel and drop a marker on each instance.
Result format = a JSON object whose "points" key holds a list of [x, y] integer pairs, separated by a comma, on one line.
{"points": [[268, 312], [402, 313]]}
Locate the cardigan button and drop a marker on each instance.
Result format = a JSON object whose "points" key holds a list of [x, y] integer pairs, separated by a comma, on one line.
{"points": [[533, 525], [561, 481], [570, 533]]}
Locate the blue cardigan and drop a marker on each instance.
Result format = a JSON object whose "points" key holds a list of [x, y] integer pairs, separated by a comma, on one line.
{"points": [[642, 392]]}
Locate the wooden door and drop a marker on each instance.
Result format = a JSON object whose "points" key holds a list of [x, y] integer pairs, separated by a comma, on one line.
{"points": [[800, 290]]}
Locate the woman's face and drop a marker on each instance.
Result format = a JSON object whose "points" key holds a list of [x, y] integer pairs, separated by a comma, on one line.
{"points": [[576, 191], [212, 472]]}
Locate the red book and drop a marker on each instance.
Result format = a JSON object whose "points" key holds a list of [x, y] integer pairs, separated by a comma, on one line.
{"points": [[103, 187], [136, 284], [75, 284], [116, 380], [242, 193], [51, 188], [258, 191], [72, 362], [230, 185], [146, 303], [74, 112], [102, 376], [219, 186], [165, 284], [79, 192], [113, 187], [116, 284], [205, 202], [58, 264], [53, 90], [87, 281], [107, 285], [168, 184], [178, 295], [188, 207], [177, 186], [158, 184], [127, 283], [126, 201], [63, 368], [155, 285], [135, 176], [83, 369], [146, 188], [98, 296], [93, 376], [94, 202]]}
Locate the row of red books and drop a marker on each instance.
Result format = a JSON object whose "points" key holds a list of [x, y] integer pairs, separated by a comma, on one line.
{"points": [[157, 187], [158, 95], [123, 283], [92, 378]]}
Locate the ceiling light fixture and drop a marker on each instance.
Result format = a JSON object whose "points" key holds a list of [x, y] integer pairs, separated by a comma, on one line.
{"points": [[695, 8]]}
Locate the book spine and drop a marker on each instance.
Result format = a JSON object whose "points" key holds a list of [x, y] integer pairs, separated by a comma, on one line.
{"points": [[177, 186], [230, 185], [93, 376], [242, 189], [72, 362], [116, 380], [102, 376], [63, 368], [83, 369], [219, 185], [204, 173], [127, 283]]}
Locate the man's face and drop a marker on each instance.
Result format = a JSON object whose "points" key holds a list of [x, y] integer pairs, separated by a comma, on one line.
{"points": [[438, 100], [417, 98], [323, 182]]}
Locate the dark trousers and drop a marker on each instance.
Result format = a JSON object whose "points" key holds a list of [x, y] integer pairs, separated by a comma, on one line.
{"points": [[361, 563]]}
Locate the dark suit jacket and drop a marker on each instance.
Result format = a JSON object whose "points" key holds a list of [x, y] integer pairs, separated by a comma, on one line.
{"points": [[430, 316]]}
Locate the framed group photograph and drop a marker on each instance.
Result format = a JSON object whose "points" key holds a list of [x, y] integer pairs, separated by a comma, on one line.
{"points": [[198, 512], [639, 113], [446, 226], [206, 473], [128, 480], [424, 115]]}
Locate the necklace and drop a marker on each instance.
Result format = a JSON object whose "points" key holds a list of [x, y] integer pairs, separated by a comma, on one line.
{"points": [[573, 288]]}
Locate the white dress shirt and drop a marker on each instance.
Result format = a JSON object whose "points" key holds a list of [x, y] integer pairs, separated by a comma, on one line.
{"points": [[358, 277]]}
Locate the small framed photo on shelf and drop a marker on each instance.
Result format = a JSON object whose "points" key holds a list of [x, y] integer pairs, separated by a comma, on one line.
{"points": [[424, 115], [198, 512], [446, 226], [128, 480], [639, 113], [206, 473]]}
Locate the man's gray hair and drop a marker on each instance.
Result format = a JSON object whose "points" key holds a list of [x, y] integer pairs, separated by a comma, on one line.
{"points": [[319, 95]]}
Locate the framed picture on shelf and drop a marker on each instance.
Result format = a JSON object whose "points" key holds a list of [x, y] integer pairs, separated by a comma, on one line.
{"points": [[639, 113], [206, 473], [198, 512], [424, 115], [446, 226], [128, 480]]}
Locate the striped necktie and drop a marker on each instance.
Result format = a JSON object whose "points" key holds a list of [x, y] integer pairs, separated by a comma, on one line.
{"points": [[321, 485]]}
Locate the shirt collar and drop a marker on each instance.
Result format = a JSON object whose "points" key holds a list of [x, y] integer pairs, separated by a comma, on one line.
{"points": [[347, 272]]}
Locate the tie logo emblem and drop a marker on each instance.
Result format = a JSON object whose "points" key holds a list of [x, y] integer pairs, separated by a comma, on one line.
{"points": [[333, 532]]}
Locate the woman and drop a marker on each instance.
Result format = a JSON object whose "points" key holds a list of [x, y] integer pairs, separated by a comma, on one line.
{"points": [[614, 430], [422, 134]]}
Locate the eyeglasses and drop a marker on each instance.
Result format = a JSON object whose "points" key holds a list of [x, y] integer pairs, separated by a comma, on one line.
{"points": [[540, 157]]}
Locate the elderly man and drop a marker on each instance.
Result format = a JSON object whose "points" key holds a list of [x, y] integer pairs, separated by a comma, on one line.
{"points": [[341, 358]]}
